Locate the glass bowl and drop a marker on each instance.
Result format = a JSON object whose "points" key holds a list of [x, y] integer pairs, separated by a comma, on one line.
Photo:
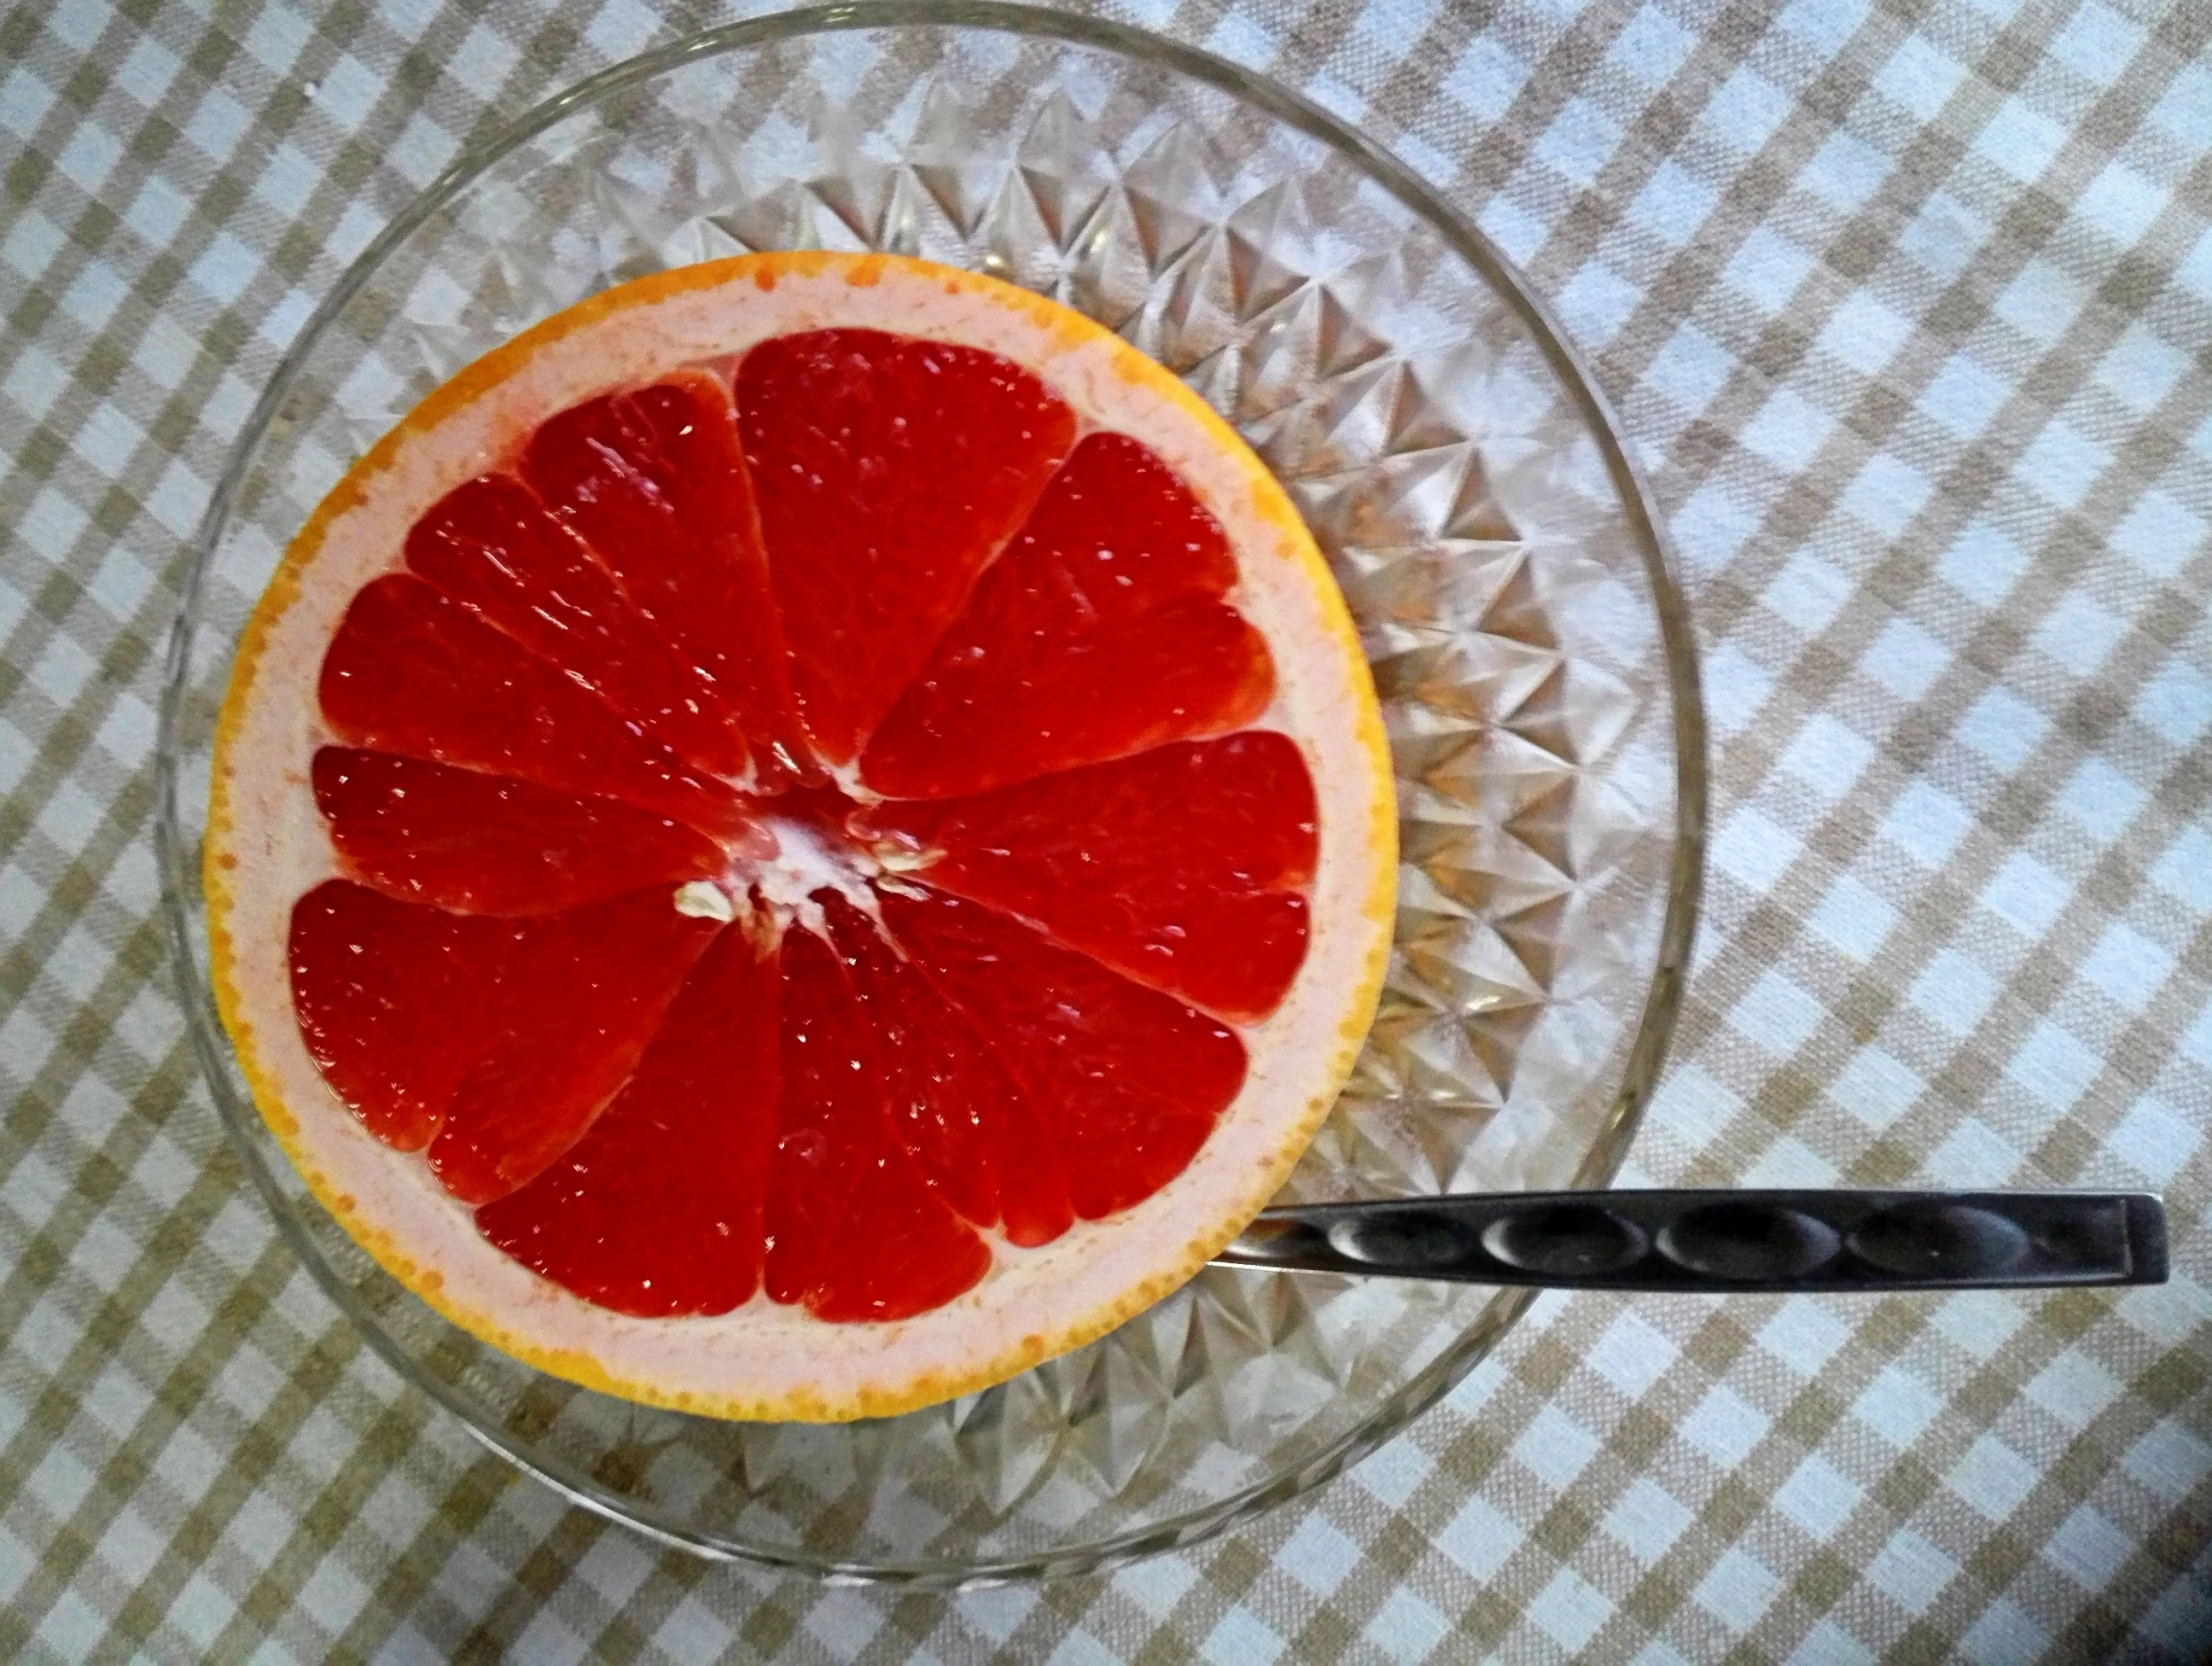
{"points": [[1477, 502]]}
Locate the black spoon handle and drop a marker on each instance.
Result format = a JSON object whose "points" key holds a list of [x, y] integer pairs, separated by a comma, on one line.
{"points": [[1725, 1240]]}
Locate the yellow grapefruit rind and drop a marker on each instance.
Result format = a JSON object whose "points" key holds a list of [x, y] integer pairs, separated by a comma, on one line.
{"points": [[260, 854]]}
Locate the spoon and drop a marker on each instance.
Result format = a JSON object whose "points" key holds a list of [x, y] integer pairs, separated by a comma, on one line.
{"points": [[1740, 1241]]}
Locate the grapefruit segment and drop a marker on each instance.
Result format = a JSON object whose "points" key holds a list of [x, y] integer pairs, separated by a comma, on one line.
{"points": [[656, 1211], [492, 546], [653, 481], [1127, 1082], [888, 470], [412, 671], [854, 1230], [1100, 632], [383, 1006], [489, 844], [1185, 867], [955, 1108]]}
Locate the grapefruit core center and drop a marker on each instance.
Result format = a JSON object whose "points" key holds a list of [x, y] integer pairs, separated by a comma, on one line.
{"points": [[803, 846]]}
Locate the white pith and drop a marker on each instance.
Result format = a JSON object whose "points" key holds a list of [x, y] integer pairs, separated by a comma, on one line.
{"points": [[806, 860], [764, 1359]]}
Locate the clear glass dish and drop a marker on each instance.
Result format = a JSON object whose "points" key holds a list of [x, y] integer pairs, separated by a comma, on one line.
{"points": [[1475, 497]]}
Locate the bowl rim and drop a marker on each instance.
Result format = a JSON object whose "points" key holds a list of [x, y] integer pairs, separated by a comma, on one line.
{"points": [[176, 854]]}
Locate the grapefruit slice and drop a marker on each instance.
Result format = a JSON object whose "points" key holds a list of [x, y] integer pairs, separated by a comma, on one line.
{"points": [[805, 836]]}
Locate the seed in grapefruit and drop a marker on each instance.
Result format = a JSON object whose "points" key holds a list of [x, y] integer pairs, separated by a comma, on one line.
{"points": [[804, 836]]}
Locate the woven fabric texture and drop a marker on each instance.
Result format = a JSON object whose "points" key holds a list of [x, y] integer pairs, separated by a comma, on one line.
{"points": [[1909, 313]]}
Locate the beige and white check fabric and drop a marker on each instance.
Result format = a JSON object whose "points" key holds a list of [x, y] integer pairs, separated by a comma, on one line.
{"points": [[1909, 310]]}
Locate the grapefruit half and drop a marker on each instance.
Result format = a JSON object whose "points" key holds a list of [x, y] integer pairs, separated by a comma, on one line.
{"points": [[805, 836]]}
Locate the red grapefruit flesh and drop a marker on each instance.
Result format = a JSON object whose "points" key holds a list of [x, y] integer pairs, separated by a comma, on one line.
{"points": [[495, 549], [889, 472], [486, 844], [653, 482], [855, 1230], [378, 997], [1102, 631], [958, 1111], [1131, 1080], [818, 829], [656, 1211], [414, 673], [493, 1042], [1185, 867]]}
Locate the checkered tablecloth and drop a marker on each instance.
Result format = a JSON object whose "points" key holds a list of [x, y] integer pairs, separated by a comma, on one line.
{"points": [[1911, 319]]}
